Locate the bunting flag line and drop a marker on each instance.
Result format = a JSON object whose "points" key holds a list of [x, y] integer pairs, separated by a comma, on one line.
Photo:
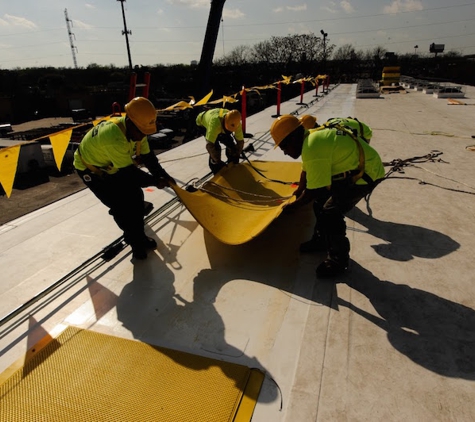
{"points": [[8, 164], [60, 140]]}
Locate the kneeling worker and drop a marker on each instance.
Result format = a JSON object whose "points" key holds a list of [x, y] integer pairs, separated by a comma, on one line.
{"points": [[338, 170], [105, 163], [222, 127]]}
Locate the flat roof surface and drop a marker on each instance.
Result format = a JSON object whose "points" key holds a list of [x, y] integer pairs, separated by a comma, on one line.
{"points": [[393, 339]]}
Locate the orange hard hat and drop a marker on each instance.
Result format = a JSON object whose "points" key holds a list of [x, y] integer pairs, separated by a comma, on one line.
{"points": [[283, 126], [308, 121], [232, 120], [143, 114]]}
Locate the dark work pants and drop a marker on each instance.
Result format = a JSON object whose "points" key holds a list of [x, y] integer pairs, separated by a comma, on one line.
{"points": [[231, 151], [330, 208], [125, 200]]}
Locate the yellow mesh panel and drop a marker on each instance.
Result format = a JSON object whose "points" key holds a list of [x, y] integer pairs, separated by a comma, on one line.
{"points": [[88, 376]]}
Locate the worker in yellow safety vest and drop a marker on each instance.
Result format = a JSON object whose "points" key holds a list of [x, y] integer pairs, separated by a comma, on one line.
{"points": [[338, 170], [107, 161], [222, 126], [352, 123]]}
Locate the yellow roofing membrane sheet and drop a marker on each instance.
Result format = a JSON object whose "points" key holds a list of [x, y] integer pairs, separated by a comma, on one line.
{"points": [[238, 203]]}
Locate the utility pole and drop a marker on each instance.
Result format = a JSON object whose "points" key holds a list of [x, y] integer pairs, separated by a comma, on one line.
{"points": [[69, 23], [209, 44], [126, 33], [325, 35]]}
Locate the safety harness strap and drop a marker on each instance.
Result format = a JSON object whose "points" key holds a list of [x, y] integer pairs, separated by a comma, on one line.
{"points": [[93, 169], [359, 172], [361, 129]]}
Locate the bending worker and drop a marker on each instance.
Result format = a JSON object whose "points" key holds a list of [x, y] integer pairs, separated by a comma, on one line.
{"points": [[105, 162], [338, 170], [222, 127]]}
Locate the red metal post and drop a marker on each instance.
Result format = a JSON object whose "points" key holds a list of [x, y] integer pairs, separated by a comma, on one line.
{"points": [[316, 87], [243, 109], [279, 92], [302, 88], [116, 109], [133, 84], [146, 88]]}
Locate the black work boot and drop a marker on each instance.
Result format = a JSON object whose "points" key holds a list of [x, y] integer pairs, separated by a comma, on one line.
{"points": [[331, 268], [315, 244], [139, 252], [141, 245], [148, 207], [149, 243]]}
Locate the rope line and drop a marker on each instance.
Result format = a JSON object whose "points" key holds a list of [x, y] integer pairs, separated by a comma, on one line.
{"points": [[264, 198], [397, 166]]}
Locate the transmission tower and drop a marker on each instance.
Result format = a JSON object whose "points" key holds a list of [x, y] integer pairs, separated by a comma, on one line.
{"points": [[71, 35], [126, 32]]}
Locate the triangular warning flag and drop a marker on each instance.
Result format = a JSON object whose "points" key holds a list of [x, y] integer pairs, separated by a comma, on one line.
{"points": [[8, 165], [205, 99], [180, 105], [286, 79], [60, 142]]}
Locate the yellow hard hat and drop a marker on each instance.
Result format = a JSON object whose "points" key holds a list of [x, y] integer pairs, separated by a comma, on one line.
{"points": [[232, 120], [143, 114], [308, 122], [283, 126]]}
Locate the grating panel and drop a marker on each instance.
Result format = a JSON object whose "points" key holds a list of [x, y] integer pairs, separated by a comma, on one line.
{"points": [[87, 376]]}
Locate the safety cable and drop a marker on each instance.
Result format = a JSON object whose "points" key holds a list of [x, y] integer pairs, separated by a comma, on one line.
{"points": [[106, 254], [265, 198], [110, 251], [397, 166], [263, 175]]}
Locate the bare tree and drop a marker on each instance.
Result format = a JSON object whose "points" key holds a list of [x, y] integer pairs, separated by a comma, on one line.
{"points": [[238, 56], [348, 52], [292, 48], [377, 53]]}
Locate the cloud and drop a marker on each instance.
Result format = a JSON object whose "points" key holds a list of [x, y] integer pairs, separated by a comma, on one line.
{"points": [[329, 9], [346, 6], [160, 12], [90, 6], [298, 8], [232, 13], [398, 6], [81, 24], [193, 4], [10, 20]]}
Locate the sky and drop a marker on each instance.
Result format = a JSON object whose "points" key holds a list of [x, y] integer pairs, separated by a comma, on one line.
{"points": [[35, 33]]}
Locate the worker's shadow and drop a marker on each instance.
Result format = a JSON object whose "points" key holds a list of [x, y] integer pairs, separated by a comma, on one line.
{"points": [[404, 241], [434, 332], [272, 258], [154, 313]]}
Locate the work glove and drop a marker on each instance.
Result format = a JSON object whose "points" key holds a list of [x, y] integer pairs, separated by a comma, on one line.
{"points": [[163, 179]]}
